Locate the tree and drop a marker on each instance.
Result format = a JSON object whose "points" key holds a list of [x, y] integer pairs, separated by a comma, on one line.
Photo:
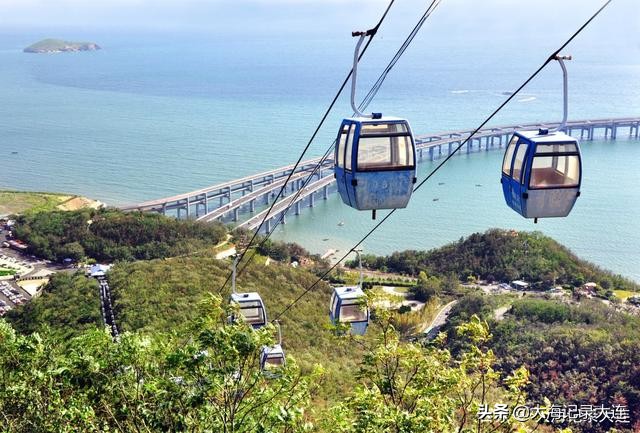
{"points": [[427, 287], [406, 388], [73, 251], [207, 379]]}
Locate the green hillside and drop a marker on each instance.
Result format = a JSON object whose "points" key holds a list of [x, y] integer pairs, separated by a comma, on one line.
{"points": [[503, 256], [177, 339]]}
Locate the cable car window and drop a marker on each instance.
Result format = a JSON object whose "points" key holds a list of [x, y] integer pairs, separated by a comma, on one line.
{"points": [[334, 303], [347, 161], [384, 129], [555, 171], [252, 312], [341, 144], [518, 163], [375, 153], [508, 156], [556, 148], [354, 312], [274, 361]]}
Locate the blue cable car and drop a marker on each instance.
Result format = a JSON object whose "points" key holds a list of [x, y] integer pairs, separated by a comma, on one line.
{"points": [[541, 174], [542, 170], [375, 156], [348, 305], [375, 163]]}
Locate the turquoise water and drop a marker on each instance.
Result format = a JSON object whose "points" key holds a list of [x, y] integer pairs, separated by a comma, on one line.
{"points": [[603, 223], [153, 115]]}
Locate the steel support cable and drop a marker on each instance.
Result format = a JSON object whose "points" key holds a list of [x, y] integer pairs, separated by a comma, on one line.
{"points": [[475, 131], [363, 105], [371, 33]]}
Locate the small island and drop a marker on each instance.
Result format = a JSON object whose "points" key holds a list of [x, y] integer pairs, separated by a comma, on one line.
{"points": [[60, 46]]}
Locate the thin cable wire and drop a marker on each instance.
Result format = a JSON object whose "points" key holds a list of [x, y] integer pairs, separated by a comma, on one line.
{"points": [[371, 33], [475, 131], [363, 105]]}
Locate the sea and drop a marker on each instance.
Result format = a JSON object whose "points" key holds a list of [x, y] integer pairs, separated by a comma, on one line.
{"points": [[155, 114]]}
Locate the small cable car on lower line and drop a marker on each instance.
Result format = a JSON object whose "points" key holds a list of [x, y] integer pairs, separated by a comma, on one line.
{"points": [[252, 308], [348, 305], [273, 357]]}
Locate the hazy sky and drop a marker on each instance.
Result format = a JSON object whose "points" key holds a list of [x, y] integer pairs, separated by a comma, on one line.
{"points": [[621, 21]]}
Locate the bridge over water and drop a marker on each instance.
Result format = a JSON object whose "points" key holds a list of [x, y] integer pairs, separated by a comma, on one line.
{"points": [[240, 200]]}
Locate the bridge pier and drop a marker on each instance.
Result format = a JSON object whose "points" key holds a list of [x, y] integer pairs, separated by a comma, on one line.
{"points": [[312, 201], [267, 225], [325, 192], [283, 219], [298, 208], [235, 214], [252, 206], [188, 208], [431, 153]]}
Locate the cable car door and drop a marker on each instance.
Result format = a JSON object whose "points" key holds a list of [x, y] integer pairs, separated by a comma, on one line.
{"points": [[349, 174], [518, 177]]}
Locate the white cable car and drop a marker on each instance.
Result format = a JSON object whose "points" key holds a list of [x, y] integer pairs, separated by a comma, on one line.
{"points": [[273, 357], [349, 305], [252, 307]]}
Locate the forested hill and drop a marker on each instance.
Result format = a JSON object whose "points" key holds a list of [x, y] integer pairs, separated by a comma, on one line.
{"points": [[110, 235], [500, 255]]}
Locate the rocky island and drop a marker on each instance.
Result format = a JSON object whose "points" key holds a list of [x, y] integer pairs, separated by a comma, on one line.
{"points": [[60, 46]]}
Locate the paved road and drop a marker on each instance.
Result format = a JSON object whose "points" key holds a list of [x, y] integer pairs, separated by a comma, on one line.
{"points": [[441, 318]]}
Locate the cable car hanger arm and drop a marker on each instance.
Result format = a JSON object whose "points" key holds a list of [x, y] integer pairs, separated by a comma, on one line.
{"points": [[565, 90], [354, 74]]}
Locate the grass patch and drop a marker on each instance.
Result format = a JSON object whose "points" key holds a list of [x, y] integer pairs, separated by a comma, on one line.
{"points": [[624, 294], [18, 202], [5, 272]]}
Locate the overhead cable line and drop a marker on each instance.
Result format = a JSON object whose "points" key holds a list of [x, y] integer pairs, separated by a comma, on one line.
{"points": [[371, 33], [363, 105], [475, 131]]}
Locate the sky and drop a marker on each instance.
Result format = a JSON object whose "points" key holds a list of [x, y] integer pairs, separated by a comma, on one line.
{"points": [[621, 21]]}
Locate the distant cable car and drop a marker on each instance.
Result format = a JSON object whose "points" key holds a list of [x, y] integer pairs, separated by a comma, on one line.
{"points": [[375, 157], [273, 357], [349, 305], [252, 308], [542, 170]]}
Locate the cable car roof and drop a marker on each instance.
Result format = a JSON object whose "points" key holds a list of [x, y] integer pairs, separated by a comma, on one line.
{"points": [[246, 297], [351, 292], [550, 137], [276, 349], [375, 121]]}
